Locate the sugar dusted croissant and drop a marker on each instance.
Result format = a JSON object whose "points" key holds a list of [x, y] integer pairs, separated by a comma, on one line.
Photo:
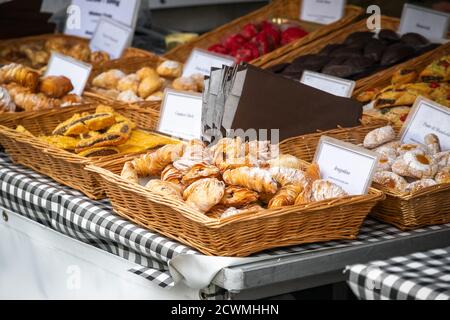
{"points": [[285, 196], [200, 171], [20, 75], [379, 136], [29, 101], [171, 174], [6, 102], [252, 208], [286, 176], [323, 190], [227, 149], [55, 86], [256, 179], [286, 161], [130, 82], [261, 150], [204, 194], [195, 152], [165, 188], [108, 79], [238, 197]]}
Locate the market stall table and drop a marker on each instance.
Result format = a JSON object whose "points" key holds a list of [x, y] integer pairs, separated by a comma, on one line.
{"points": [[417, 276], [27, 195]]}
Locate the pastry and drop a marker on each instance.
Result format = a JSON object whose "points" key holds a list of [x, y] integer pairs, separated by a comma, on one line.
{"points": [[129, 172], [260, 150], [62, 142], [286, 161], [20, 75], [78, 124], [99, 152], [324, 190], [165, 189], [285, 196], [286, 176], [6, 102], [80, 51], [129, 82], [70, 100], [99, 57], [55, 86], [230, 212], [388, 150], [227, 149], [108, 79], [238, 197], [149, 85], [195, 152], [417, 165], [170, 69], [129, 96], [256, 179], [200, 171], [432, 142], [437, 71], [146, 72], [419, 185], [184, 84], [204, 194], [172, 174], [29, 101], [367, 96], [385, 163], [442, 159], [102, 140], [443, 176], [199, 80], [411, 147], [390, 180], [403, 76], [378, 137]]}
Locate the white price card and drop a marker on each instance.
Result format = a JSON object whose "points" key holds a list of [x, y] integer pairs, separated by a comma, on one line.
{"points": [[112, 37], [426, 117], [77, 71], [201, 61], [334, 85], [347, 165], [84, 15], [181, 114], [430, 23], [322, 11]]}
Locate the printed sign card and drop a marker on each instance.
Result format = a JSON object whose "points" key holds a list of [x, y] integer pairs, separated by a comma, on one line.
{"points": [[181, 114], [112, 37], [334, 85], [347, 165], [322, 11], [77, 71], [201, 61], [426, 117]]}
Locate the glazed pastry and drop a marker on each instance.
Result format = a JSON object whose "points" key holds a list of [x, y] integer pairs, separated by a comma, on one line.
{"points": [[29, 101], [146, 72], [171, 174], [62, 142], [238, 197], [78, 124], [155, 97], [129, 96], [204, 194], [419, 185], [99, 57], [55, 86], [99, 152], [395, 115], [149, 86], [378, 137], [402, 76], [184, 84], [165, 189], [402, 95], [253, 208], [170, 69], [6, 102], [432, 142], [256, 179], [390, 180], [108, 79], [443, 176], [285, 196], [200, 171], [121, 128], [129, 82], [286, 161], [20, 75]]}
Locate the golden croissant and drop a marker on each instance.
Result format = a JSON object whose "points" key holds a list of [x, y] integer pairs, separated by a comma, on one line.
{"points": [[256, 179], [204, 194], [21, 75]]}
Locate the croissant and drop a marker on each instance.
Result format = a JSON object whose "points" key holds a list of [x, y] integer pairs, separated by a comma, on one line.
{"points": [[253, 208], [204, 194], [200, 171], [256, 179], [130, 82], [171, 174], [260, 150], [55, 86], [285, 196], [99, 57], [29, 101], [227, 149], [108, 79], [286, 161], [286, 176], [195, 152], [6, 102], [320, 190], [129, 172], [238, 197], [164, 188], [21, 75]]}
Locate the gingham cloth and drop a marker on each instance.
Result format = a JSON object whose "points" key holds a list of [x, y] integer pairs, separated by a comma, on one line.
{"points": [[61, 208], [418, 276]]}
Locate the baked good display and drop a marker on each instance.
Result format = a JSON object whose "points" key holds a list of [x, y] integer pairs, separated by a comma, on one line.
{"points": [[408, 168], [213, 182], [394, 101], [24, 89], [257, 39], [36, 54], [146, 84], [101, 133], [362, 53]]}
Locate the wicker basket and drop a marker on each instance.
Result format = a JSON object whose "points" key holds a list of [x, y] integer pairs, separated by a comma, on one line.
{"points": [[339, 37], [63, 166], [288, 9], [239, 235], [428, 206], [128, 52]]}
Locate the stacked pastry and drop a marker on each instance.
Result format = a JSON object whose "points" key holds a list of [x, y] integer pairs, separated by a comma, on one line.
{"points": [[394, 101], [22, 88], [102, 133], [147, 84], [407, 168], [37, 54], [230, 177]]}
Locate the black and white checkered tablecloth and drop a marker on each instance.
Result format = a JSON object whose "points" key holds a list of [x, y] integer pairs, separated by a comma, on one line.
{"points": [[41, 199], [418, 276]]}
